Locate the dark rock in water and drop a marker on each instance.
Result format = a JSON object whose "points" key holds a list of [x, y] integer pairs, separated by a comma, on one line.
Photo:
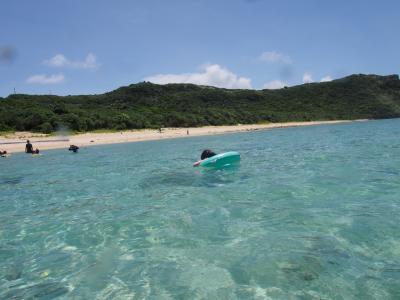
{"points": [[308, 276], [11, 180], [306, 269], [45, 291], [13, 273]]}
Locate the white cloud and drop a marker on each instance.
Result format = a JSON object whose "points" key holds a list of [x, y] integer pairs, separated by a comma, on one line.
{"points": [[326, 78], [59, 60], [44, 79], [213, 75], [272, 57], [274, 84], [307, 78]]}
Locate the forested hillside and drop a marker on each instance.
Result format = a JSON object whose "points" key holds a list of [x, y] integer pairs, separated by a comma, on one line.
{"points": [[147, 105]]}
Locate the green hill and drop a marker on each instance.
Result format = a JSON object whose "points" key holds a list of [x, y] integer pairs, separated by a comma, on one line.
{"points": [[147, 105]]}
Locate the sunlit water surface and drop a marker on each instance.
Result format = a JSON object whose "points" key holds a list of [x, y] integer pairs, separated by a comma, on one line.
{"points": [[310, 213]]}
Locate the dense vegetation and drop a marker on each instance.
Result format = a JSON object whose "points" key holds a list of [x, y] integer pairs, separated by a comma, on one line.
{"points": [[147, 105]]}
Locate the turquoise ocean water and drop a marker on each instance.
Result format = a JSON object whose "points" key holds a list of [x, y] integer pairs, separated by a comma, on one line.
{"points": [[310, 213]]}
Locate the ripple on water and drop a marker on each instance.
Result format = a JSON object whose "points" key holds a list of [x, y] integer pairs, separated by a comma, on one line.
{"points": [[48, 290]]}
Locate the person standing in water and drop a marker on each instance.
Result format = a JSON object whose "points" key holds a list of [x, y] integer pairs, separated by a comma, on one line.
{"points": [[28, 147]]}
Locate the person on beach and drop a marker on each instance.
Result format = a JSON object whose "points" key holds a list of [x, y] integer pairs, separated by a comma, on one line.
{"points": [[207, 153], [28, 147], [3, 153]]}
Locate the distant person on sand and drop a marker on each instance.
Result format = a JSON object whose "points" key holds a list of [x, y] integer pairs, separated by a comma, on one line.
{"points": [[207, 153], [28, 147], [187, 132]]}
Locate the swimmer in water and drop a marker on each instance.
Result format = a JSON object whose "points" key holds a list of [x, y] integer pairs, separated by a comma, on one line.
{"points": [[73, 148], [206, 154]]}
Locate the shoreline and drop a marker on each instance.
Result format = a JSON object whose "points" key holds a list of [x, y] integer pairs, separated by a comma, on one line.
{"points": [[13, 143]]}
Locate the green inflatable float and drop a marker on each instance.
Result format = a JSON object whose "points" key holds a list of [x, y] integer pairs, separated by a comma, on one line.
{"points": [[220, 160]]}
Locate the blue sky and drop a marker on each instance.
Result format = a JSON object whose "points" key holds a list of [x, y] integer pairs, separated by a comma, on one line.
{"points": [[94, 46]]}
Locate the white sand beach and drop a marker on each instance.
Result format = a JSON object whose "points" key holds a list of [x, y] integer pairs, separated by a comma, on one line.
{"points": [[15, 142]]}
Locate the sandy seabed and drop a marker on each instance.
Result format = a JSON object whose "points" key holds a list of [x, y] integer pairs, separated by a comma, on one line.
{"points": [[15, 142]]}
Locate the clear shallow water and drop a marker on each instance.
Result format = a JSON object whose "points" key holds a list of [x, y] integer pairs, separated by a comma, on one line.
{"points": [[311, 213]]}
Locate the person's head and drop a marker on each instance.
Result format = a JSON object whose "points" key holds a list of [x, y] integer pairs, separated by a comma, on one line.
{"points": [[27, 141], [206, 154]]}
